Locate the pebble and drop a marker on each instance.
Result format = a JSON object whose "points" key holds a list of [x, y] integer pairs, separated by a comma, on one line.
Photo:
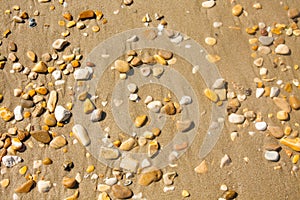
{"points": [[222, 95], [157, 71], [264, 50], [145, 71], [96, 115], [136, 61], [293, 13], [18, 19], [149, 176], [226, 160], [168, 109], [61, 114], [25, 187], [294, 102], [127, 145], [259, 92], [58, 142], [208, 4], [88, 106], [12, 57], [133, 97], [26, 103], [132, 87], [169, 177], [261, 126], [50, 120], [258, 62], [154, 106], [236, 118], [59, 44], [12, 46], [233, 135], [201, 168], [82, 74], [121, 192], [165, 54], [282, 115], [229, 195], [148, 99], [282, 104], [210, 41], [18, 113], [217, 24], [57, 74], [266, 40], [293, 143], [127, 2], [276, 131], [169, 188], [121, 66], [109, 153], [31, 55], [87, 14], [43, 186], [140, 121], [237, 10], [183, 126], [69, 182], [274, 92], [219, 84], [282, 49], [4, 183], [153, 148], [81, 134], [17, 67], [211, 95], [40, 67], [41, 136], [46, 57], [185, 193], [10, 161], [47, 161], [272, 156], [51, 104], [185, 100]]}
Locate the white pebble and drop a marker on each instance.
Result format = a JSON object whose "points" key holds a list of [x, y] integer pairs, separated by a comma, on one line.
{"points": [[56, 74], [259, 92], [18, 113], [131, 87], [261, 126], [185, 100]]}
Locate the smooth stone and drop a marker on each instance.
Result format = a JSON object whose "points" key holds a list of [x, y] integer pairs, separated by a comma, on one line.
{"points": [[81, 134], [294, 102], [183, 126], [210, 41], [25, 187], [272, 156], [264, 50], [153, 148], [266, 40], [47, 161], [148, 135], [201, 168], [132, 87], [272, 147], [185, 100], [59, 44], [87, 14], [12, 57], [140, 120], [18, 113], [282, 115], [237, 10], [136, 62], [61, 114], [159, 59], [282, 49], [40, 67], [82, 74], [4, 183], [46, 57], [12, 46], [263, 71], [259, 92], [157, 71], [236, 118], [208, 4], [250, 115], [41, 136], [26, 103], [219, 83], [69, 182], [276, 131], [50, 120], [43, 186], [51, 104], [82, 96], [149, 176], [225, 160], [229, 195], [88, 106], [211, 95], [221, 93], [169, 177], [17, 67], [17, 92], [109, 153], [217, 24], [293, 13], [133, 97], [122, 66], [258, 62], [121, 192], [261, 126], [154, 106], [96, 115], [10, 161], [148, 99], [57, 74], [6, 114], [31, 55], [282, 104], [127, 145], [165, 54], [274, 92], [110, 181], [127, 2], [58, 142], [168, 109], [145, 71]]}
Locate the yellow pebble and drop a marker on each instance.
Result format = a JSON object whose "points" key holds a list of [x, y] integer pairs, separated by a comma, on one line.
{"points": [[27, 114], [4, 183], [250, 31], [59, 124], [288, 87], [16, 7], [7, 12], [185, 193], [65, 150], [31, 93], [6, 33], [52, 7], [78, 57], [71, 134], [160, 60], [71, 24], [211, 95], [61, 1], [276, 31], [219, 103], [62, 66], [1, 97], [51, 69], [270, 115], [61, 23], [75, 63], [99, 14], [117, 143], [296, 67], [295, 159], [44, 104], [45, 127], [65, 33], [41, 90], [95, 29], [104, 21], [23, 170], [69, 106], [90, 169]]}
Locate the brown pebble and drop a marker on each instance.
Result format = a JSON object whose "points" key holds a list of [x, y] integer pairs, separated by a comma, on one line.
{"points": [[7, 142], [31, 55], [165, 54], [156, 131], [47, 161], [169, 109], [293, 13], [272, 147], [201, 168], [12, 46], [136, 61], [24, 15], [68, 16], [282, 115], [49, 119], [149, 177], [90, 64], [23, 135], [87, 14], [140, 120], [278, 41], [3, 153], [69, 182], [121, 192], [46, 57], [237, 10], [294, 102], [12, 57], [230, 194], [25, 187], [276, 131], [41, 136]]}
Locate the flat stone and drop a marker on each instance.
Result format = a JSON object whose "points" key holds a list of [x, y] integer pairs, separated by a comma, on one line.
{"points": [[136, 61], [109, 153], [185, 100], [272, 147], [110, 181], [282, 115], [219, 84], [121, 192], [149, 176], [58, 142], [57, 74], [237, 10], [221, 93], [210, 41], [293, 13], [41, 136], [225, 160], [26, 103], [274, 92], [133, 97], [40, 67], [276, 131], [201, 168], [183, 126], [266, 40], [17, 67], [236, 118], [157, 71], [272, 156], [69, 182], [4, 182], [208, 4], [81, 134], [44, 186], [10, 161], [31, 55], [140, 120], [12, 57], [25, 187], [82, 74], [96, 115], [61, 114], [127, 145], [259, 92], [59, 44], [87, 14], [168, 109], [50, 120], [122, 66], [282, 49], [294, 102], [132, 87], [51, 104], [88, 106], [145, 71], [261, 126], [46, 57], [165, 54], [264, 50], [258, 62]]}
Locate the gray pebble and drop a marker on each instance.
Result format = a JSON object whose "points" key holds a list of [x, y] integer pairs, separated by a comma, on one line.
{"points": [[266, 40], [272, 156]]}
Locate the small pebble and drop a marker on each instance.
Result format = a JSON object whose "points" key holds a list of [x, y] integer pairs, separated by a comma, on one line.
{"points": [[237, 10], [81, 134], [261, 126], [236, 118], [282, 49], [226, 160], [43, 186], [272, 156], [210, 41], [208, 4]]}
